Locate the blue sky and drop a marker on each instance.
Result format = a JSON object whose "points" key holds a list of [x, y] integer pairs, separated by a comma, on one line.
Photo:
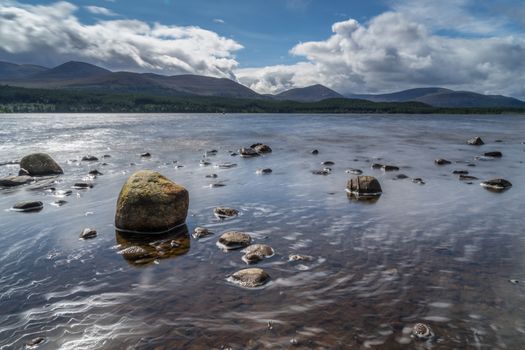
{"points": [[266, 29], [273, 45]]}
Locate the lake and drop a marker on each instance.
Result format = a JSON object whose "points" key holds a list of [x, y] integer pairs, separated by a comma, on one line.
{"points": [[446, 253]]}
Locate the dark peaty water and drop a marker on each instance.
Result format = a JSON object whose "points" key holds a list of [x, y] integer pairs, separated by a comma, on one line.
{"points": [[440, 253]]}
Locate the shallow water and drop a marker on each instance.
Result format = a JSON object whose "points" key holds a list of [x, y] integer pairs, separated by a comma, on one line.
{"points": [[440, 253]]}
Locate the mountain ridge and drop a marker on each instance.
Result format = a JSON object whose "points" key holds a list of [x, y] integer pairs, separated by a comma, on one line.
{"points": [[89, 77]]}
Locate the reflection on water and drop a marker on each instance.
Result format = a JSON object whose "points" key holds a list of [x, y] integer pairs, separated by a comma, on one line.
{"points": [[142, 249], [447, 254]]}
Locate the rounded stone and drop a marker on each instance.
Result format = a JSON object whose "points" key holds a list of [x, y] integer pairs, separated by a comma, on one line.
{"points": [[441, 161], [497, 184], [89, 158], [261, 148], [495, 154], [234, 240], [88, 233], [224, 212], [39, 164], [248, 152], [28, 206], [421, 331], [257, 252], [201, 232], [364, 186], [12, 181], [150, 202], [250, 278], [264, 171]]}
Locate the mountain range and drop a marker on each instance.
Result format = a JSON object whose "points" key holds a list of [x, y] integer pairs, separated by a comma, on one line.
{"points": [[85, 76]]}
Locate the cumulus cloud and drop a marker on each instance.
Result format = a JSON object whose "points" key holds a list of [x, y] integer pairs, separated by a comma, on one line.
{"points": [[52, 34], [393, 51], [97, 10]]}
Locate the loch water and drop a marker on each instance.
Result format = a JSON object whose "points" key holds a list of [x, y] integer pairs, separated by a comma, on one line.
{"points": [[447, 253]]}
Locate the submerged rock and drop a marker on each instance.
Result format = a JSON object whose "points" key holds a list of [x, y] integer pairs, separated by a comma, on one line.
{"points": [[150, 202], [226, 165], [88, 233], [250, 278], [364, 186], [201, 232], [441, 161], [204, 162], [495, 154], [389, 168], [89, 158], [135, 253], [418, 180], [325, 171], [95, 173], [497, 184], [421, 331], [354, 171], [234, 240], [224, 212], [328, 163], [467, 177], [82, 185], [35, 341], [28, 206], [257, 252], [13, 181], [315, 152], [376, 166], [475, 141], [264, 171], [39, 164], [299, 257], [212, 176], [460, 172], [145, 155], [400, 177]]}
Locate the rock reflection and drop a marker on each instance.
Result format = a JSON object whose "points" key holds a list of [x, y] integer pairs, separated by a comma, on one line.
{"points": [[142, 249], [354, 197]]}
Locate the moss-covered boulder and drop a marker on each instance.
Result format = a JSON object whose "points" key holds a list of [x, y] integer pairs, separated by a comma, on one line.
{"points": [[40, 164], [150, 202]]}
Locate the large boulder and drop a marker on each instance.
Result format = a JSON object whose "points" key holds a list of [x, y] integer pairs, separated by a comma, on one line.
{"points": [[40, 164], [151, 203], [364, 186]]}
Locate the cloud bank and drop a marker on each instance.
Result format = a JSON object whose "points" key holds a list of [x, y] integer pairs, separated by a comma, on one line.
{"points": [[395, 51], [53, 34]]}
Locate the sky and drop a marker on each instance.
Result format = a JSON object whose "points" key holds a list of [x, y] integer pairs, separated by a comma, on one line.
{"points": [[372, 46]]}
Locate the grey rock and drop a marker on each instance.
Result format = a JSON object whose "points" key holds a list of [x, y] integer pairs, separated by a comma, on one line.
{"points": [[234, 240], [13, 181], [40, 164], [88, 233], [250, 278], [28, 206], [225, 212]]}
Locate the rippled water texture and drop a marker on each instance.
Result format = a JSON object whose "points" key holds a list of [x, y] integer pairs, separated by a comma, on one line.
{"points": [[440, 253]]}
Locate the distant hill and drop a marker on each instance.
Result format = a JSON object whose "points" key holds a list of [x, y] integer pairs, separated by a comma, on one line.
{"points": [[69, 71], [89, 77], [312, 93], [80, 75], [440, 97], [19, 71]]}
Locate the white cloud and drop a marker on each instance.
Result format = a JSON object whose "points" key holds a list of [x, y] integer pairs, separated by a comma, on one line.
{"points": [[97, 10], [391, 52], [218, 20], [52, 34]]}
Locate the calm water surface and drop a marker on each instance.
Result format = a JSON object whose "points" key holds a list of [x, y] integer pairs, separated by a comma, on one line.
{"points": [[440, 253]]}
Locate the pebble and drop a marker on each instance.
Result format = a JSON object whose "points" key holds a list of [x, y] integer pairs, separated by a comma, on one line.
{"points": [[232, 240], [299, 257], [201, 232], [250, 278], [441, 161], [88, 233], [89, 158], [421, 331], [145, 155], [264, 171], [224, 212], [82, 185], [389, 168], [315, 152], [35, 341], [212, 176], [354, 171], [26, 206]]}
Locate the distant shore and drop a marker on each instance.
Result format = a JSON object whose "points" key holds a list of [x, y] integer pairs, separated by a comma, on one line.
{"points": [[26, 100]]}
